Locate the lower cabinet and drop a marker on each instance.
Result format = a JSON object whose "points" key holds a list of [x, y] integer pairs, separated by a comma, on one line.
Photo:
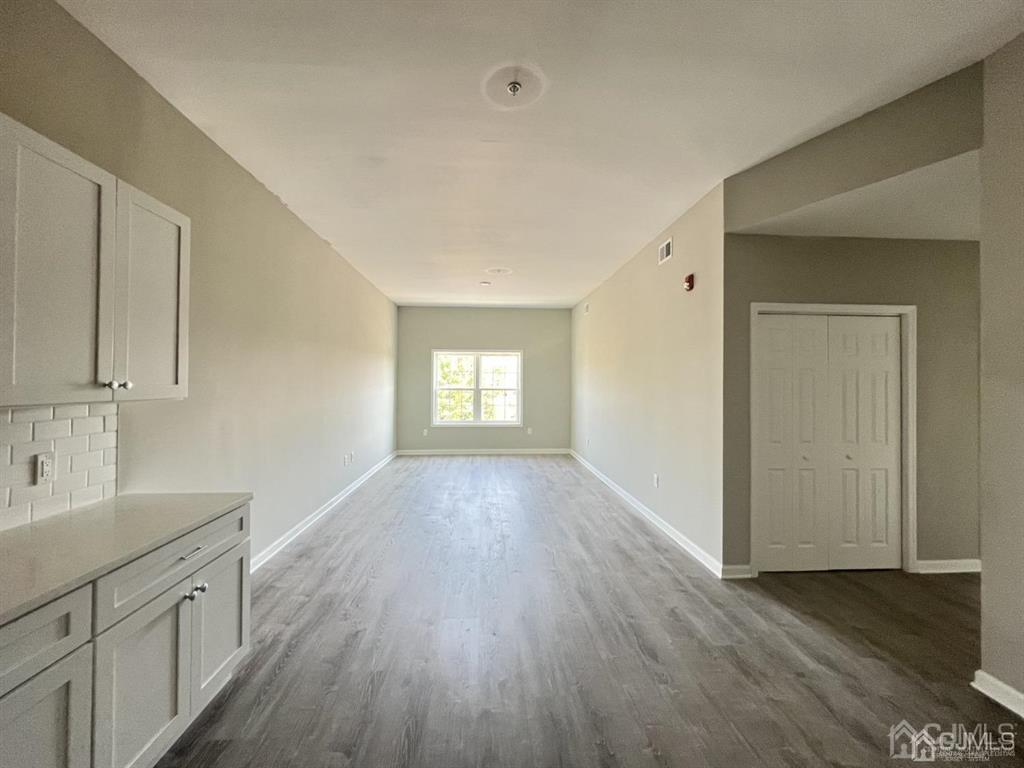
{"points": [[115, 687], [220, 624], [142, 682], [46, 722], [158, 668]]}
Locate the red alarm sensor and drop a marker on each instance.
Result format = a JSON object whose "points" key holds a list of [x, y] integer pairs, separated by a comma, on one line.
{"points": [[688, 282]]}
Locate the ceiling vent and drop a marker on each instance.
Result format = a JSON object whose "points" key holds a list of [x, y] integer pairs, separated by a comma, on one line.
{"points": [[665, 251]]}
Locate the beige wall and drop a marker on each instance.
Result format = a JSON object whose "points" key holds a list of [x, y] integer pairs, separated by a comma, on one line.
{"points": [[941, 279], [543, 336], [938, 121], [647, 377], [1002, 368], [292, 351]]}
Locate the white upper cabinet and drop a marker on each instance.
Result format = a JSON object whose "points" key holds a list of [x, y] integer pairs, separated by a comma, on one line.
{"points": [[151, 298], [56, 272], [94, 279]]}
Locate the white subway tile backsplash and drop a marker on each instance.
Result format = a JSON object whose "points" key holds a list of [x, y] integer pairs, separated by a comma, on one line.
{"points": [[68, 445], [86, 461], [102, 440], [26, 451], [88, 495], [70, 411], [9, 518], [16, 474], [84, 440], [51, 506], [49, 430], [24, 493], [70, 481], [88, 425], [44, 413], [15, 433], [102, 475]]}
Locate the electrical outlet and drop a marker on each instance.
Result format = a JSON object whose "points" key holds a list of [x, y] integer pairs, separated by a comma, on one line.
{"points": [[44, 468], [424, 433], [529, 430], [656, 480]]}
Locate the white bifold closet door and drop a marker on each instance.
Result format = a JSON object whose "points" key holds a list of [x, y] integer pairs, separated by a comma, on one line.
{"points": [[826, 442]]}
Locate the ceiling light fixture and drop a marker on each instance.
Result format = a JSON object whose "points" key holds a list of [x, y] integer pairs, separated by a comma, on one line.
{"points": [[514, 85], [485, 283]]}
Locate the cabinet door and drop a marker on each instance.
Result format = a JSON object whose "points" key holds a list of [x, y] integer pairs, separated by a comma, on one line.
{"points": [[151, 306], [46, 721], [142, 679], [56, 272], [220, 623]]}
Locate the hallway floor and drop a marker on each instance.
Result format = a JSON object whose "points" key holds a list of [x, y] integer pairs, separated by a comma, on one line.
{"points": [[511, 611]]}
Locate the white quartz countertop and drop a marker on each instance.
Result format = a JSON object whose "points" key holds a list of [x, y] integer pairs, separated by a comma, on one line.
{"points": [[41, 561]]}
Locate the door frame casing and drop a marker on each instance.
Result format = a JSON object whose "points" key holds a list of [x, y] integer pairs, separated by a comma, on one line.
{"points": [[907, 313]]}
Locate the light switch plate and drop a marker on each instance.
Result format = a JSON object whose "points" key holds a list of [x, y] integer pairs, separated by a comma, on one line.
{"points": [[44, 467]]}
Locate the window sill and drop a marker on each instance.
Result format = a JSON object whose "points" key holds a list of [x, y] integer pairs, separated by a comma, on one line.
{"points": [[477, 424]]}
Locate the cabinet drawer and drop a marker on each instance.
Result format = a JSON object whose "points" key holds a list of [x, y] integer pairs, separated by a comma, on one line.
{"points": [[35, 641], [130, 587]]}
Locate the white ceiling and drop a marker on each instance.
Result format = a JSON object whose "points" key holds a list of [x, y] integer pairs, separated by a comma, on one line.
{"points": [[369, 119], [941, 201]]}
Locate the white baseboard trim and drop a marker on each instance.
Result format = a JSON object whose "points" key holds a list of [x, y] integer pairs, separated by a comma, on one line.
{"points": [[284, 540], [481, 451], [970, 565], [999, 692], [688, 546], [738, 572]]}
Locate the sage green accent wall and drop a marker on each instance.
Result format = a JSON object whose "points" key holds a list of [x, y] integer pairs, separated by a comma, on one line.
{"points": [[1002, 368], [938, 121], [940, 278], [647, 376], [544, 337], [292, 350]]}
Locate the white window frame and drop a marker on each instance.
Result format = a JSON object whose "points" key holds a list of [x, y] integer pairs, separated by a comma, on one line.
{"points": [[477, 390]]}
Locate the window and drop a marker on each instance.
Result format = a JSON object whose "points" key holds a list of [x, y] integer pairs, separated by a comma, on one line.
{"points": [[477, 387]]}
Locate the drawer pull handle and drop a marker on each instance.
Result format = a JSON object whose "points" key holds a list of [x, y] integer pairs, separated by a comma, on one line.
{"points": [[191, 596], [203, 587], [194, 552]]}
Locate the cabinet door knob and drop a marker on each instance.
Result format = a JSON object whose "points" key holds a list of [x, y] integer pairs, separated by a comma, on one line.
{"points": [[113, 384], [849, 457], [203, 587], [128, 384], [191, 596]]}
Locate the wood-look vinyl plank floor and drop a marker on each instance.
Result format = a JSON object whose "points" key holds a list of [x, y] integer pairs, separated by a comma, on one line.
{"points": [[511, 611]]}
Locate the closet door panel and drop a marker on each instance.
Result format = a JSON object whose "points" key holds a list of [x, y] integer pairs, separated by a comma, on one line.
{"points": [[864, 474], [789, 450]]}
